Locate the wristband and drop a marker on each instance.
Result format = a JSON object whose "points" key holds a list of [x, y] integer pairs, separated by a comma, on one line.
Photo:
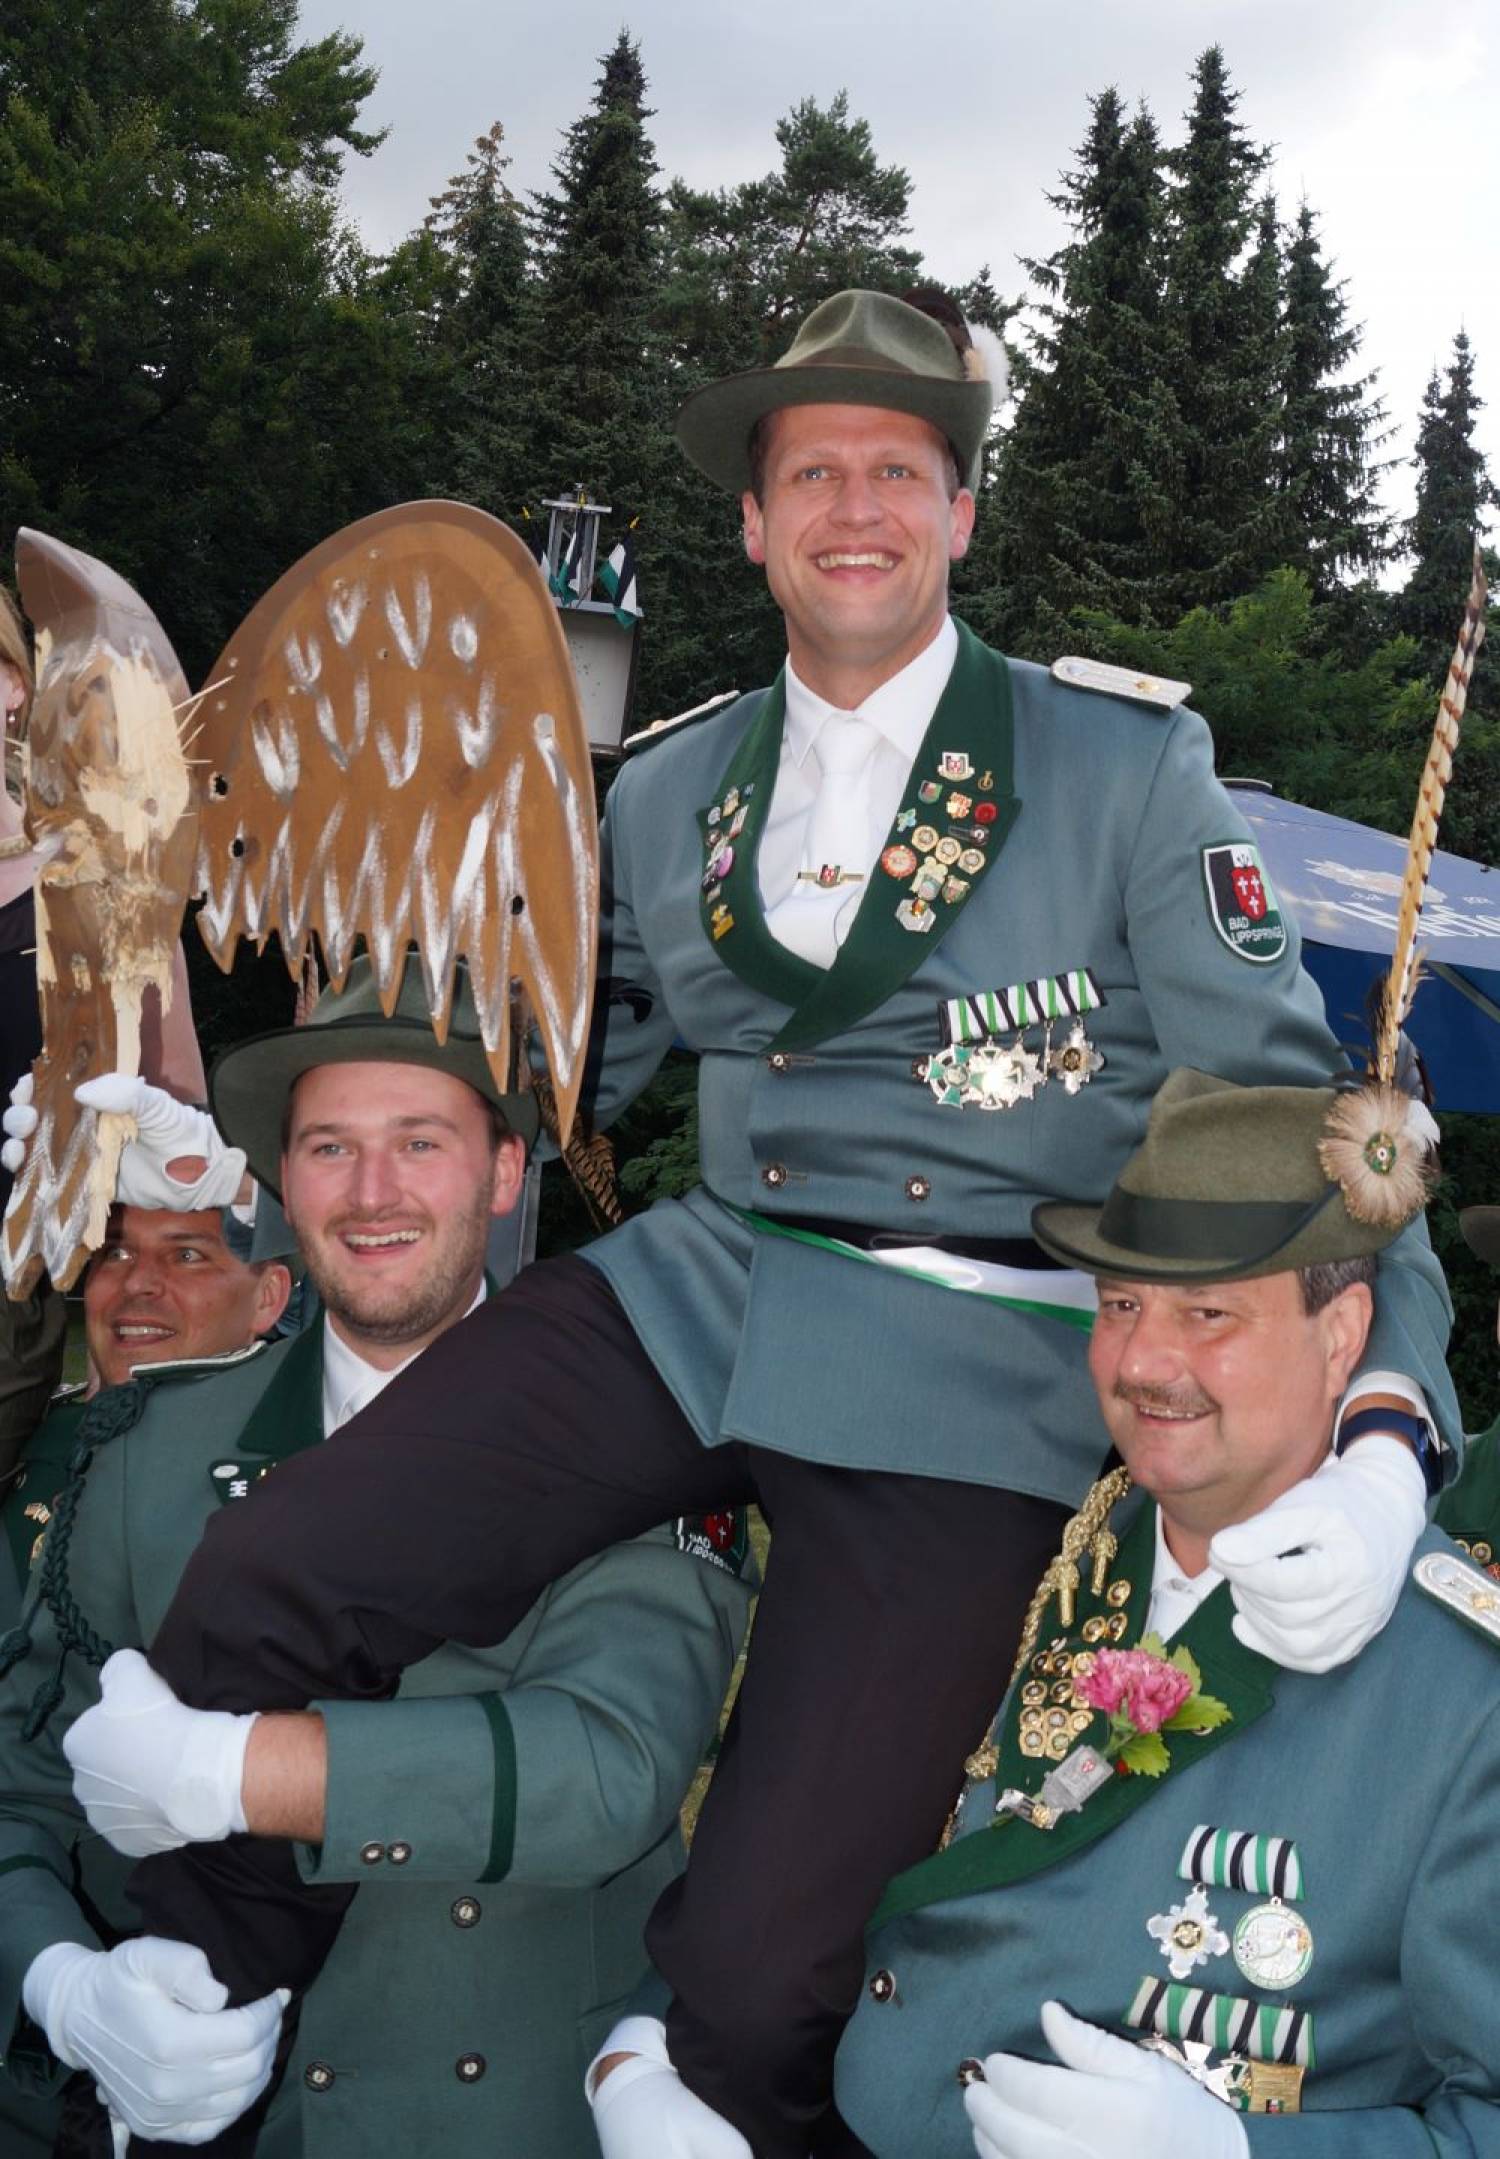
{"points": [[1403, 1424]]}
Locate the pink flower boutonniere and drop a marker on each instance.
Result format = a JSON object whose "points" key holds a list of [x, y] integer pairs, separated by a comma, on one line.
{"points": [[1145, 1692]]}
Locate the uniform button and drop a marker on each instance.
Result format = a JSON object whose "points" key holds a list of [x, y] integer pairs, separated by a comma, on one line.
{"points": [[774, 1174], [779, 1061], [919, 1187], [318, 2077], [465, 1911], [970, 2071], [399, 1854], [469, 2068], [882, 1986], [371, 1854]]}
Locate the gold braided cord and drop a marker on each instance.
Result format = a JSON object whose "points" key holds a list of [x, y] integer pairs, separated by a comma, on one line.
{"points": [[1401, 983], [1086, 1535], [1086, 1531]]}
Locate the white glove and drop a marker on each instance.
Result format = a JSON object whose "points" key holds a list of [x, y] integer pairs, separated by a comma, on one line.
{"points": [[643, 2110], [18, 1124], [150, 1773], [1317, 1574], [148, 2021], [1109, 2100], [166, 1131]]}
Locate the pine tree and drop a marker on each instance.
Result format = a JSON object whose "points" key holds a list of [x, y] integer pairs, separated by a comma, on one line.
{"points": [[750, 262], [1331, 426], [597, 243], [1082, 484], [485, 350], [1455, 496], [1220, 352], [1455, 493]]}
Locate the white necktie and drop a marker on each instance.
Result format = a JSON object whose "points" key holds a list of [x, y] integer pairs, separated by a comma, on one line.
{"points": [[837, 841]]}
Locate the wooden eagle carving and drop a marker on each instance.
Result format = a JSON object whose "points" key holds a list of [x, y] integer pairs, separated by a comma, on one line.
{"points": [[393, 749], [111, 808]]}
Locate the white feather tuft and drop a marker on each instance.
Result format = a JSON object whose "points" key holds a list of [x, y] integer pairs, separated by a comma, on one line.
{"points": [[986, 362], [1378, 1144]]}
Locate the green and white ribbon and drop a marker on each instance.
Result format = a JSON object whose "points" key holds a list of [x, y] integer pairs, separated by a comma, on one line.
{"points": [[1227, 2022], [1238, 1859], [987, 1013], [1058, 1293]]}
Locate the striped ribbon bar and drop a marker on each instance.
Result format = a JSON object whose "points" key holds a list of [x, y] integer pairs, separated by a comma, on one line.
{"points": [[1227, 2022], [1238, 1859], [1024, 1004]]}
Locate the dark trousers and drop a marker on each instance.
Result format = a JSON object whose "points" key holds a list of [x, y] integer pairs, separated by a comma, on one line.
{"points": [[524, 1440]]}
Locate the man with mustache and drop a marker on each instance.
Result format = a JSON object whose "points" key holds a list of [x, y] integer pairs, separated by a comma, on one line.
{"points": [[1259, 1892], [513, 1815]]}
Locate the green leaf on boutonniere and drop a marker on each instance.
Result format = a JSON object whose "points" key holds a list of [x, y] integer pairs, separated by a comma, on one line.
{"points": [[1145, 1755], [1199, 1713]]}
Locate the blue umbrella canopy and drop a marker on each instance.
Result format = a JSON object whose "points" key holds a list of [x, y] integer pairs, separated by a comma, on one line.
{"points": [[1342, 883]]}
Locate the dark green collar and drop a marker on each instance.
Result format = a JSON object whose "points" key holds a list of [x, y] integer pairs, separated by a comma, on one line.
{"points": [[289, 1415], [1012, 1851], [974, 720]]}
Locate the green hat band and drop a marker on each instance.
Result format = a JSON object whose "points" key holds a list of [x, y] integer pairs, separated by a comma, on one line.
{"points": [[1203, 1229]]}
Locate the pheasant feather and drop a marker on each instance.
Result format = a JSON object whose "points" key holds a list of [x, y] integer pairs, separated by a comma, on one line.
{"points": [[1380, 1143]]}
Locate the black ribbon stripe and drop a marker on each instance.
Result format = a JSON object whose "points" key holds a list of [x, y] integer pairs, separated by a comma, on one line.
{"points": [[1287, 2051], [1282, 1867]]}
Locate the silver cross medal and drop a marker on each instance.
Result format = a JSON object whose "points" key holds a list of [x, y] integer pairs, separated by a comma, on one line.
{"points": [[1064, 1790], [1226, 2082]]}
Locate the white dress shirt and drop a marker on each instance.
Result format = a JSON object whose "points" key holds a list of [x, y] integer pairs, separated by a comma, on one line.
{"points": [[899, 713], [1175, 1596], [349, 1383]]}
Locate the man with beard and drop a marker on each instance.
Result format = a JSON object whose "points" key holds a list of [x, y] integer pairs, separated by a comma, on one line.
{"points": [[513, 1816]]}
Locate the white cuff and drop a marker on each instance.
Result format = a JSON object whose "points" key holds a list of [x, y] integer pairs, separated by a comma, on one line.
{"points": [[643, 2036]]}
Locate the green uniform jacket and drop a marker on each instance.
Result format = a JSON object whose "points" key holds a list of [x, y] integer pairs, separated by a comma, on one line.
{"points": [[511, 1817], [1103, 810], [1382, 1773], [1470, 1509], [41, 1470]]}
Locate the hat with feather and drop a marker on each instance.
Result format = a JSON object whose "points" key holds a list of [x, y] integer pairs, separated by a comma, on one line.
{"points": [[915, 355]]}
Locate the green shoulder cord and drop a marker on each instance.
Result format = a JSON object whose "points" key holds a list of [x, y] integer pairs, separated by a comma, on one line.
{"points": [[110, 1413]]}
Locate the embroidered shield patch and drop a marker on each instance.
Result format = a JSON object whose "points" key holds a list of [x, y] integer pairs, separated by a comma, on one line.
{"points": [[1241, 903], [721, 1538]]}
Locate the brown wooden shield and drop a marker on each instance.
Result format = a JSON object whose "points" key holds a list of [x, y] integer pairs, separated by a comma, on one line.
{"points": [[395, 751], [111, 807]]}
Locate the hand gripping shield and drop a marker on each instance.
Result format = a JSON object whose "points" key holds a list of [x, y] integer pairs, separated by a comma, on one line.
{"points": [[111, 807], [394, 749]]}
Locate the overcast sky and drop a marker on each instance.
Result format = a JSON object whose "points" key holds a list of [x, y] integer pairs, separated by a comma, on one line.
{"points": [[1376, 110]]}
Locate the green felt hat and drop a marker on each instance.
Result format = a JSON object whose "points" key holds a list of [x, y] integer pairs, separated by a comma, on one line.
{"points": [[249, 1084], [859, 348], [1481, 1232], [1226, 1184]]}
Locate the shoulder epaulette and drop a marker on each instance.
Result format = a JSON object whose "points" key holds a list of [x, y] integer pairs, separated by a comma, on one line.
{"points": [[1081, 674], [1464, 1589], [644, 737]]}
